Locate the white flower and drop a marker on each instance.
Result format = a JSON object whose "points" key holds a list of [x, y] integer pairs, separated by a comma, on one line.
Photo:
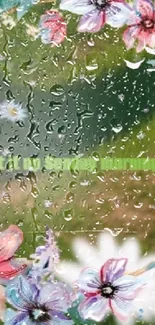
{"points": [[89, 255], [5, 152], [47, 203], [8, 21], [11, 111]]}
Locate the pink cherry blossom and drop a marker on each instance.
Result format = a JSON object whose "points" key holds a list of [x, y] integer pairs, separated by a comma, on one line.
{"points": [[108, 289], [141, 26], [95, 13], [52, 28]]}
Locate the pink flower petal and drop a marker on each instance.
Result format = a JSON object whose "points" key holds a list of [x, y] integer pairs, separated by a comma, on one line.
{"points": [[52, 28], [113, 269], [10, 240], [2, 302], [79, 7], [145, 8], [94, 308], [92, 21], [141, 46], [89, 280], [129, 36], [121, 308], [143, 38], [151, 39]]}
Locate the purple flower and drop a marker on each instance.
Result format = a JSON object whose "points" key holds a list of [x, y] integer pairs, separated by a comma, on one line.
{"points": [[107, 289], [47, 304], [98, 12], [45, 257]]}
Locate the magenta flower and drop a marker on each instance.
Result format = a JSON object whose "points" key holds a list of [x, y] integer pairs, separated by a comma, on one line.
{"points": [[98, 12], [107, 289], [141, 26], [52, 28]]}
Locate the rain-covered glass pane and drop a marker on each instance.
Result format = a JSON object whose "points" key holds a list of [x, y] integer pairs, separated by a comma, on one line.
{"points": [[77, 162]]}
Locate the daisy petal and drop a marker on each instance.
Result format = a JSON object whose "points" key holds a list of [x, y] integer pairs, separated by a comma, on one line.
{"points": [[79, 7], [113, 269], [145, 8], [93, 308], [121, 308], [89, 280], [130, 35], [92, 22], [117, 14]]}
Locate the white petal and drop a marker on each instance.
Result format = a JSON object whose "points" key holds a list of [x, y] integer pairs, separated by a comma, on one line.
{"points": [[104, 241], [87, 254], [94, 308], [89, 280], [149, 50], [117, 14], [129, 286], [121, 308], [79, 7], [68, 271], [133, 65]]}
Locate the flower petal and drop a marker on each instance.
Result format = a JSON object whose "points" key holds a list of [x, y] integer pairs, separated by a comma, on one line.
{"points": [[149, 50], [9, 269], [121, 308], [93, 308], [92, 21], [145, 8], [133, 65], [10, 240], [117, 14], [89, 280], [79, 7], [141, 45], [151, 39], [2, 302], [14, 318], [21, 294], [130, 35], [57, 296], [129, 286], [113, 269]]}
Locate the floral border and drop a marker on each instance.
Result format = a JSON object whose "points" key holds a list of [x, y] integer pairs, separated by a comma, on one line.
{"points": [[31, 294], [139, 18]]}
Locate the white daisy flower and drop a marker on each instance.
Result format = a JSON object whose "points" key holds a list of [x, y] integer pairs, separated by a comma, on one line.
{"points": [[5, 152], [47, 203], [92, 256], [8, 21], [11, 111]]}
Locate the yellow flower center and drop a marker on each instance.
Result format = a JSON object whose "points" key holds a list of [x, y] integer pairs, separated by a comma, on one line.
{"points": [[13, 111]]}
